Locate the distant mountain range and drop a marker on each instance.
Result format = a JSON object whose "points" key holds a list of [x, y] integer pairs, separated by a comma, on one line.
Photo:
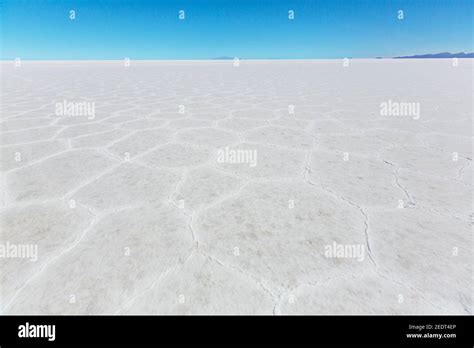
{"points": [[429, 55], [441, 55]]}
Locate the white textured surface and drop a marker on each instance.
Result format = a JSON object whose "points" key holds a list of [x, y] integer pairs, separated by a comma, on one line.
{"points": [[161, 225]]}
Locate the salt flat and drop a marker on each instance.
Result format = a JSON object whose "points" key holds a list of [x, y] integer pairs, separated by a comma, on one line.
{"points": [[270, 187]]}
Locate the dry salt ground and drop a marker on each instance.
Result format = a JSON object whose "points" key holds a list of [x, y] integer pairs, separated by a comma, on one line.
{"points": [[271, 187]]}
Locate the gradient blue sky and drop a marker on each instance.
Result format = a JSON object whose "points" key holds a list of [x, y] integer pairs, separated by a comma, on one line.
{"points": [[145, 29]]}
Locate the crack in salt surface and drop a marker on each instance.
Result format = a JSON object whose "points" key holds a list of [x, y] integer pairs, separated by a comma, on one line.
{"points": [[247, 275], [418, 291], [92, 223], [366, 218], [410, 199], [129, 302]]}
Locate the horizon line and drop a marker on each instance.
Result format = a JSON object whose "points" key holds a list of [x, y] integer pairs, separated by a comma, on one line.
{"points": [[220, 60], [464, 55]]}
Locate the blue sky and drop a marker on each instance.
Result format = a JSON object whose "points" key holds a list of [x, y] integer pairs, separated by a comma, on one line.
{"points": [[145, 29]]}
